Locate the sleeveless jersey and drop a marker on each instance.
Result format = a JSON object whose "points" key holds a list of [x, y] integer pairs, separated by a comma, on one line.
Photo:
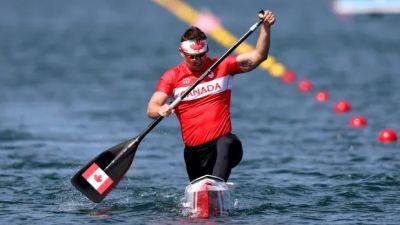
{"points": [[204, 114]]}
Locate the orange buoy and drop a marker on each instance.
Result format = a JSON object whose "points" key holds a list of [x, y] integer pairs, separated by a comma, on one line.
{"points": [[305, 86], [322, 96], [342, 106], [358, 122], [387, 135]]}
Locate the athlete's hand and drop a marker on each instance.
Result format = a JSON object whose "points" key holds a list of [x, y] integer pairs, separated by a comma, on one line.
{"points": [[165, 110], [268, 18]]}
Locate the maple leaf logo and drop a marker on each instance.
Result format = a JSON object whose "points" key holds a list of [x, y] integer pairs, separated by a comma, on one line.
{"points": [[197, 46], [97, 178]]}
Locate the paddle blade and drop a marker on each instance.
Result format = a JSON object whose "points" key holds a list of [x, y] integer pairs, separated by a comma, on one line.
{"points": [[99, 177]]}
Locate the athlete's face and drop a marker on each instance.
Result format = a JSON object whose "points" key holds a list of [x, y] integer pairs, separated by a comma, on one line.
{"points": [[195, 62]]}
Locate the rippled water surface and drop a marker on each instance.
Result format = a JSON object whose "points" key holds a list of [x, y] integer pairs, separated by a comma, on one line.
{"points": [[75, 78]]}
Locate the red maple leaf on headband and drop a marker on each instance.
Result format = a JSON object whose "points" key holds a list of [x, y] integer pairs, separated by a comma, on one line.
{"points": [[197, 46]]}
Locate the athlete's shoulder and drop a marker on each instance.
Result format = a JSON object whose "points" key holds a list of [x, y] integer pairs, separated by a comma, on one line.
{"points": [[169, 75], [230, 59], [231, 65], [167, 81], [227, 61], [173, 71]]}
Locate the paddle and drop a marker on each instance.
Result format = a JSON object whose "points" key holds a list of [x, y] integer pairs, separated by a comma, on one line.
{"points": [[102, 174]]}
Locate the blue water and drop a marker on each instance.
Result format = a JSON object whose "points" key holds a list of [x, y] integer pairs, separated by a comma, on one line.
{"points": [[75, 78]]}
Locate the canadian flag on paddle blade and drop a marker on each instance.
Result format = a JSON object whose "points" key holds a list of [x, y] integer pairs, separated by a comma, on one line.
{"points": [[97, 178]]}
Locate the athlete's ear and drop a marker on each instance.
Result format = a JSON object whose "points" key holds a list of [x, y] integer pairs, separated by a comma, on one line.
{"points": [[180, 51]]}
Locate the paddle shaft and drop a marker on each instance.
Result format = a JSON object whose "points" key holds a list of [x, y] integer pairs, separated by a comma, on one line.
{"points": [[155, 122]]}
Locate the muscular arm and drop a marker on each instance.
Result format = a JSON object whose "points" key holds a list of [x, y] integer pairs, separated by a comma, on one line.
{"points": [[157, 105], [249, 61]]}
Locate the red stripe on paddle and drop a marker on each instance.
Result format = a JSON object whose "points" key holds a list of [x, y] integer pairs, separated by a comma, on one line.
{"points": [[104, 186], [90, 171]]}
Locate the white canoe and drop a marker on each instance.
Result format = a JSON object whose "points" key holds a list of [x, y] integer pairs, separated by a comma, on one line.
{"points": [[205, 197]]}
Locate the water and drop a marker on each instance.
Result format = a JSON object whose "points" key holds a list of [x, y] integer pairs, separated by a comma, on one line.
{"points": [[75, 78]]}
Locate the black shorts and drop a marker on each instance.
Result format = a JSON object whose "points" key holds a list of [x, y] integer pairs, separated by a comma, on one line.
{"points": [[215, 158]]}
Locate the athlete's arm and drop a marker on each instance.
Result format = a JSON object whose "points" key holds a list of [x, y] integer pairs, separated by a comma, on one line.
{"points": [[157, 105], [249, 61]]}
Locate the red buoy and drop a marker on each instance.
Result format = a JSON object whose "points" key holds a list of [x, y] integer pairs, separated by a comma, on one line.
{"points": [[305, 86], [342, 106], [322, 96], [387, 135], [288, 77], [358, 122]]}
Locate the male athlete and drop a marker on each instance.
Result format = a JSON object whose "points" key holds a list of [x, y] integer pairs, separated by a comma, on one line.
{"points": [[204, 115]]}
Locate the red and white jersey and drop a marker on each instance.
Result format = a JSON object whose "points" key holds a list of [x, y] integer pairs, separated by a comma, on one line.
{"points": [[204, 114]]}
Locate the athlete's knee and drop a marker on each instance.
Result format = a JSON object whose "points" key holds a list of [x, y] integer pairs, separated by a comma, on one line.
{"points": [[236, 153], [224, 145], [228, 140], [230, 146]]}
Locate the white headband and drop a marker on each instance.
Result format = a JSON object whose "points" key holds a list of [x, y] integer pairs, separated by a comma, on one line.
{"points": [[194, 47]]}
